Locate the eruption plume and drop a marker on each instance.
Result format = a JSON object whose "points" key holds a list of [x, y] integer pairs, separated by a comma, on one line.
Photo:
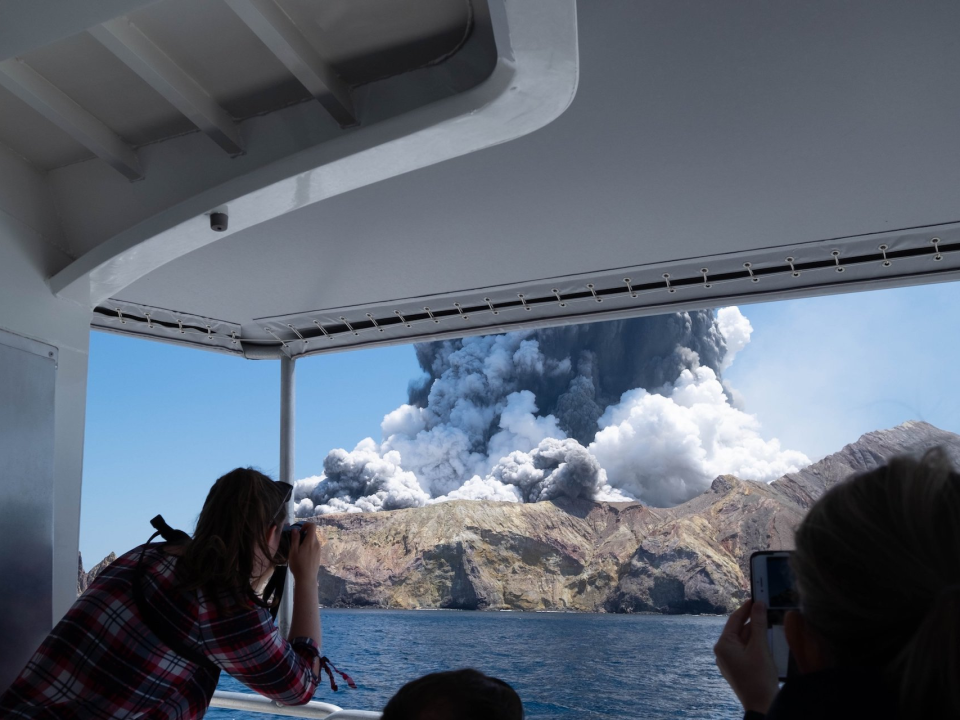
{"points": [[628, 409]]}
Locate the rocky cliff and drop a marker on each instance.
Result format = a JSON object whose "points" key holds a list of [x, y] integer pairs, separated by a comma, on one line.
{"points": [[870, 451], [85, 578], [579, 555]]}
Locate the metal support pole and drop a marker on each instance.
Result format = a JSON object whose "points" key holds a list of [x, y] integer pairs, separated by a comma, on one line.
{"points": [[288, 408]]}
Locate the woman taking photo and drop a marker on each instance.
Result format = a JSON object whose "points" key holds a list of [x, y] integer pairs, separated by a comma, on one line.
{"points": [[877, 635], [150, 635]]}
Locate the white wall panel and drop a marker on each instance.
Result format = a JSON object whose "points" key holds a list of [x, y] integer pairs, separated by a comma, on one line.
{"points": [[28, 378], [29, 254]]}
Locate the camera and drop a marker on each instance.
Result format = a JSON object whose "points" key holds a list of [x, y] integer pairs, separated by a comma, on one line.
{"points": [[283, 552]]}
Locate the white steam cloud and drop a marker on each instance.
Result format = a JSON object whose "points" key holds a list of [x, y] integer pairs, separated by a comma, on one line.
{"points": [[665, 448], [616, 411], [736, 331]]}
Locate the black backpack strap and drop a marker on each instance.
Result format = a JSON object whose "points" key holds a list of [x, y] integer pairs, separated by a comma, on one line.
{"points": [[273, 590], [154, 621], [177, 537]]}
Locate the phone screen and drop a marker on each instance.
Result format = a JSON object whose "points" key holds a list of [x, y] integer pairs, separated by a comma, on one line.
{"points": [[773, 584], [781, 593]]}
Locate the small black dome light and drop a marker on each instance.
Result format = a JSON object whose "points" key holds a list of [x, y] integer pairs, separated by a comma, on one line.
{"points": [[218, 222]]}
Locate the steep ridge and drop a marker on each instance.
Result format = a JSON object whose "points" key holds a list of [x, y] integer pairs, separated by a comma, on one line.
{"points": [[85, 578], [580, 555], [869, 452]]}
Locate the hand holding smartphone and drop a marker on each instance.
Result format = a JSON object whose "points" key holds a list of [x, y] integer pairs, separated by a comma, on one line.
{"points": [[772, 583]]}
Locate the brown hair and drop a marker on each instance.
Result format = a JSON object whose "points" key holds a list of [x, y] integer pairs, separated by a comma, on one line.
{"points": [[455, 695], [236, 517], [878, 570]]}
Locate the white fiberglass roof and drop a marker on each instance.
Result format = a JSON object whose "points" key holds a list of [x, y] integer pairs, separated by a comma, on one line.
{"points": [[712, 153]]}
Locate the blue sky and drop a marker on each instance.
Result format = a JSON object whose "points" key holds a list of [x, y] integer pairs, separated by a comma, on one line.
{"points": [[163, 422], [818, 373]]}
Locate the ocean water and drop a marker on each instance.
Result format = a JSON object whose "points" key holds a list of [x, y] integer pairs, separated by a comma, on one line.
{"points": [[563, 665]]}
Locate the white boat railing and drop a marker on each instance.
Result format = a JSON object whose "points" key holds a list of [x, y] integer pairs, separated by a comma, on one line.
{"points": [[313, 709]]}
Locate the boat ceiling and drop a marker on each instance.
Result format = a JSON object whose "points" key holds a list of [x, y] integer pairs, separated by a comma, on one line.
{"points": [[713, 153]]}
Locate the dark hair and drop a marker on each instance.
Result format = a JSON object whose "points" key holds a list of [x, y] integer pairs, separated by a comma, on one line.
{"points": [[455, 695], [878, 570], [236, 517]]}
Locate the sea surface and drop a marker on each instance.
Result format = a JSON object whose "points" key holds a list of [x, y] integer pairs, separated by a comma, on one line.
{"points": [[563, 665]]}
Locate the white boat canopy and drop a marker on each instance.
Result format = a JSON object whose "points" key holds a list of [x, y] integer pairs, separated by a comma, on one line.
{"points": [[276, 178], [714, 153]]}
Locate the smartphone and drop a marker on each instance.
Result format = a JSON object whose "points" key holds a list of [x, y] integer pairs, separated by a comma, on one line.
{"points": [[771, 582]]}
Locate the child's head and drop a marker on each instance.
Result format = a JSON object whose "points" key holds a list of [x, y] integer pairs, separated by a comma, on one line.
{"points": [[455, 695]]}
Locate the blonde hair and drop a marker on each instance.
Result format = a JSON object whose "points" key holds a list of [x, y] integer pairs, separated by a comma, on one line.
{"points": [[878, 570]]}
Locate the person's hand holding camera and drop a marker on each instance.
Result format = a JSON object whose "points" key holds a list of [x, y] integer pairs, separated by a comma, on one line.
{"points": [[304, 563], [304, 558]]}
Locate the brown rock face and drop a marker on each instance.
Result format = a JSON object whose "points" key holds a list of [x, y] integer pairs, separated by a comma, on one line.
{"points": [[580, 555], [85, 578], [574, 555]]}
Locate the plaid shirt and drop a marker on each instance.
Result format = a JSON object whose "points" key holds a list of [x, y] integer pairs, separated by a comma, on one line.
{"points": [[101, 660]]}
